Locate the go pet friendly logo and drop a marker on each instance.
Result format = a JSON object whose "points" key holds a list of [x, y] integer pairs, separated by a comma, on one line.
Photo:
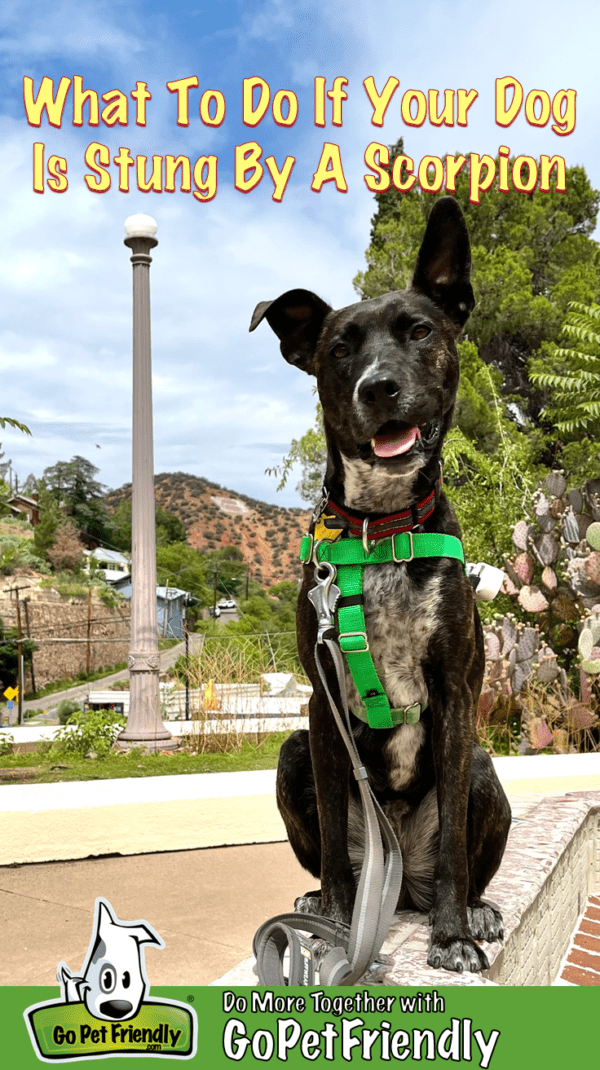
{"points": [[104, 1011]]}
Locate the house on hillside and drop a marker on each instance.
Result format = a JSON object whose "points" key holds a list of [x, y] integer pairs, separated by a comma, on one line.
{"points": [[170, 607], [20, 504], [115, 566]]}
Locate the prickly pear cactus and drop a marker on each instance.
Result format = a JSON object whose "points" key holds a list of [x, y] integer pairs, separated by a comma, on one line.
{"points": [[555, 571], [589, 643], [515, 654], [553, 577]]}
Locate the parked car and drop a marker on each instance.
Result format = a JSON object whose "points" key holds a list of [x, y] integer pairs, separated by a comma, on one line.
{"points": [[214, 612], [227, 603]]}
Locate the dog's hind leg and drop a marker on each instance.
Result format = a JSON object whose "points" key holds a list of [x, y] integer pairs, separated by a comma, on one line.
{"points": [[488, 824]]}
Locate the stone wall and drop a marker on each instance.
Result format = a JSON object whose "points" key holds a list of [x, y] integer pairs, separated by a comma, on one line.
{"points": [[51, 620]]}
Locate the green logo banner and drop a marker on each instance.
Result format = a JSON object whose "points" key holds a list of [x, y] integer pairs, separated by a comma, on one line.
{"points": [[500, 1028], [67, 1031]]}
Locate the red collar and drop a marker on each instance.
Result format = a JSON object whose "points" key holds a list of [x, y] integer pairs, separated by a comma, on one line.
{"points": [[380, 527]]}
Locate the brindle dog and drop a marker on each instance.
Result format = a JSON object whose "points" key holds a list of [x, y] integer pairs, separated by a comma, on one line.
{"points": [[387, 374]]}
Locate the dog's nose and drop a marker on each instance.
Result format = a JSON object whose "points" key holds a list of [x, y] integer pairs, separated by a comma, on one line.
{"points": [[378, 390], [116, 1008]]}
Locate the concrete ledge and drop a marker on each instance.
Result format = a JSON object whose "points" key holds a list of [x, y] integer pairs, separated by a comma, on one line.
{"points": [[51, 822]]}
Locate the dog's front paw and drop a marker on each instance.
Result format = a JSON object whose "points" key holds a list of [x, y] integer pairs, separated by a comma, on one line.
{"points": [[485, 922], [458, 954]]}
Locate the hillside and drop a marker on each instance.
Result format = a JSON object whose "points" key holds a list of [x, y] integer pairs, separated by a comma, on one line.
{"points": [[267, 535]]}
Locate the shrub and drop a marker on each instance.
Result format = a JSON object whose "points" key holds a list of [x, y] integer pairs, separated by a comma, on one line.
{"points": [[66, 708], [92, 731], [7, 743]]}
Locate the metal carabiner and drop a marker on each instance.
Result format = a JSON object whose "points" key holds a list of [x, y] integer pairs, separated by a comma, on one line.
{"points": [[324, 597]]}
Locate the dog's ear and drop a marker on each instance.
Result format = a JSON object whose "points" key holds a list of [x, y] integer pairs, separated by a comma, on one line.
{"points": [[444, 263], [296, 318]]}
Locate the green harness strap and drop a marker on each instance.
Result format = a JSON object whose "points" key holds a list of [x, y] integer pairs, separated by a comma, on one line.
{"points": [[350, 558]]}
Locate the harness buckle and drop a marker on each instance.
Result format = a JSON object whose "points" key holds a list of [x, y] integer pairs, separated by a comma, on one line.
{"points": [[403, 560], [353, 649]]}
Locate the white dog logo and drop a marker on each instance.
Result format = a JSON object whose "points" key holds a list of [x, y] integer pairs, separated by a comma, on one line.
{"points": [[113, 980]]}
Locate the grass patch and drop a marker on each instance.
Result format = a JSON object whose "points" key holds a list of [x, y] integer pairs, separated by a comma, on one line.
{"points": [[166, 644], [259, 752]]}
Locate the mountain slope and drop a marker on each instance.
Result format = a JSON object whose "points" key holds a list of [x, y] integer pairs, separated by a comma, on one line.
{"points": [[267, 535]]}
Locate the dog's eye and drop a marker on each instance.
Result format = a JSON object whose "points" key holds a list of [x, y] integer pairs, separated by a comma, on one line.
{"points": [[108, 978], [126, 979], [340, 350], [420, 332]]}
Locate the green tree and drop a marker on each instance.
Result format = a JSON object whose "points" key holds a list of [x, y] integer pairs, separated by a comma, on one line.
{"points": [[571, 375], [9, 659], [169, 528], [73, 483], [179, 565], [227, 567], [51, 516], [272, 611]]}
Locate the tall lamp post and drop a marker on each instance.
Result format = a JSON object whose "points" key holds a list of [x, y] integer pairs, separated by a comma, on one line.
{"points": [[144, 727]]}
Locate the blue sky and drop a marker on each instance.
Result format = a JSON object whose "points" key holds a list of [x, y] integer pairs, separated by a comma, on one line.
{"points": [[225, 403]]}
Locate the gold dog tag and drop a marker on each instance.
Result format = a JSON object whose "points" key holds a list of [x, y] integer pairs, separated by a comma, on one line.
{"points": [[321, 532]]}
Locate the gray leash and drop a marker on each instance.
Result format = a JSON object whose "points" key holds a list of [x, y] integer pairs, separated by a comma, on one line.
{"points": [[354, 949]]}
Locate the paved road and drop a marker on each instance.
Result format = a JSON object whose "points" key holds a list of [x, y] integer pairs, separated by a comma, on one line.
{"points": [[167, 658]]}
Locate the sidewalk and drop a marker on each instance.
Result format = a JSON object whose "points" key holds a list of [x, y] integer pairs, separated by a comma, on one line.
{"points": [[206, 900]]}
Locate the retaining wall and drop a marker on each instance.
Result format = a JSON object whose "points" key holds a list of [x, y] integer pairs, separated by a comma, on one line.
{"points": [[49, 620]]}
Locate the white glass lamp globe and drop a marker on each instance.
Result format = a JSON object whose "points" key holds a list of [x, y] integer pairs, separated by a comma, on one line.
{"points": [[140, 226]]}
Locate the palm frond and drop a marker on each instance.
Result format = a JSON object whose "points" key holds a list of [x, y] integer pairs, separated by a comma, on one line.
{"points": [[7, 421]]}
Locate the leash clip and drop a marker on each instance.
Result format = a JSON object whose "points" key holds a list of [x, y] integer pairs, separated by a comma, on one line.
{"points": [[324, 598]]}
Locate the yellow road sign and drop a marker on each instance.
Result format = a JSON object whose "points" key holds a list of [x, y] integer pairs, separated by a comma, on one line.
{"points": [[11, 693]]}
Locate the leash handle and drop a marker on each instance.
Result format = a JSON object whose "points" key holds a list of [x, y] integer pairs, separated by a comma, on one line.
{"points": [[288, 933]]}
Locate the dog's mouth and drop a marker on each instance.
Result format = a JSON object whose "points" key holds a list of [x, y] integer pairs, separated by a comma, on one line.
{"points": [[396, 439]]}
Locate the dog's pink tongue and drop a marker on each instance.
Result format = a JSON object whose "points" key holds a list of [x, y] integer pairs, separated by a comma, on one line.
{"points": [[394, 444]]}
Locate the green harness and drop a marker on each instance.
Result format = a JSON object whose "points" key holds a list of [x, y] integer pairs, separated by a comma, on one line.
{"points": [[350, 558]]}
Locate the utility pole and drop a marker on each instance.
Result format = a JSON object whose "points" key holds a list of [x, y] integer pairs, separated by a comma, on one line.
{"points": [[216, 572], [20, 661], [19, 653], [89, 632], [187, 674], [26, 608]]}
